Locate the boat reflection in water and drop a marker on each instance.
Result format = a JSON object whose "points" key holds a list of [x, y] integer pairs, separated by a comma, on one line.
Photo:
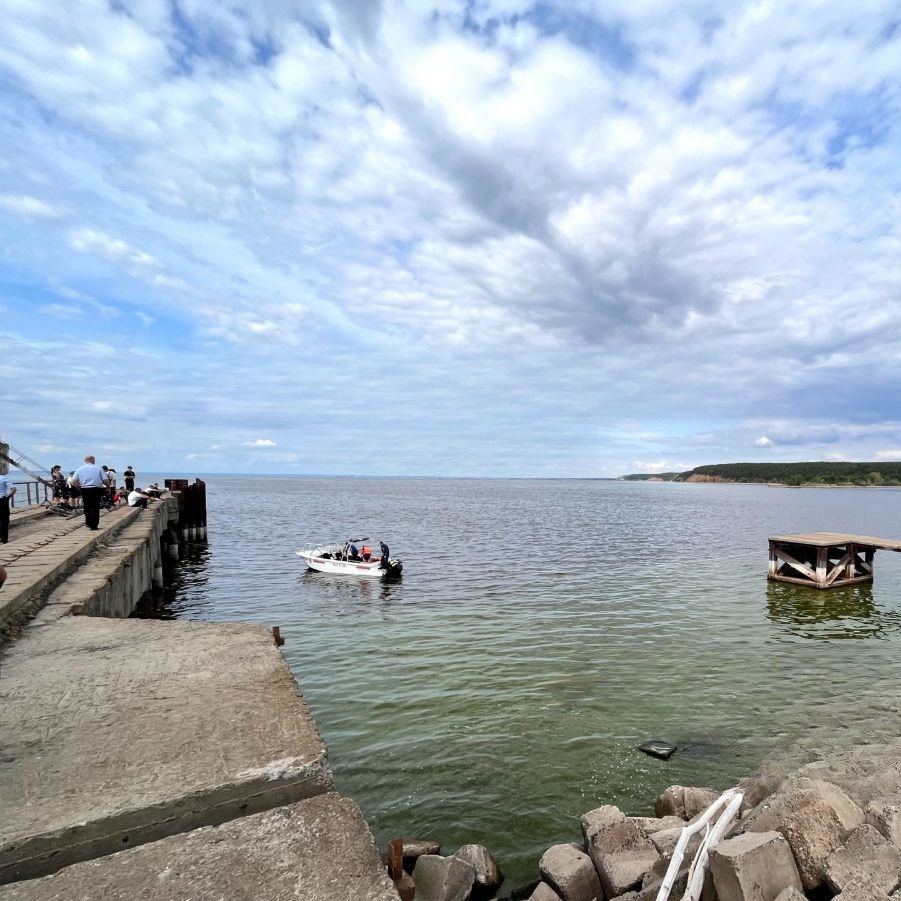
{"points": [[841, 613]]}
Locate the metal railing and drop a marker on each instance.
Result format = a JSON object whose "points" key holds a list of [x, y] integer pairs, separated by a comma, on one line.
{"points": [[32, 492]]}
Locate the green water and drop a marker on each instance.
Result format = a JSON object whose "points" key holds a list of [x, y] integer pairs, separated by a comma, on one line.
{"points": [[543, 629]]}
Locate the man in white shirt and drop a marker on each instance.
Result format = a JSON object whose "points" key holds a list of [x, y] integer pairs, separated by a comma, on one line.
{"points": [[137, 498], [7, 490], [91, 479]]}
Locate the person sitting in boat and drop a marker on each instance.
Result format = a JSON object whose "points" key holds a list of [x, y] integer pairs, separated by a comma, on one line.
{"points": [[366, 553], [383, 562], [354, 553]]}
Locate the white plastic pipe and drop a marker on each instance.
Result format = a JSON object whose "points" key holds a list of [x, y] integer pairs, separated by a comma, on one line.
{"points": [[731, 800]]}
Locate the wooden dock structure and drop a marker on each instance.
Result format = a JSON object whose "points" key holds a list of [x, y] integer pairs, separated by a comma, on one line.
{"points": [[825, 559]]}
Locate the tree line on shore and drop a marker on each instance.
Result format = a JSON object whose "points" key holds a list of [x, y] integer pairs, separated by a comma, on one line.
{"points": [[811, 473]]}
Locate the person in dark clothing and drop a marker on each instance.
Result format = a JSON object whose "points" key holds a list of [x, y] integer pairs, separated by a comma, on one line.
{"points": [[383, 561], [7, 490], [129, 476]]}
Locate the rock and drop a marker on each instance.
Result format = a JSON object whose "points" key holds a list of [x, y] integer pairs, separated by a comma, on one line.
{"points": [[662, 750], [649, 825], [754, 789], [866, 853], [487, 873], [886, 819], [405, 886], [665, 840], [570, 873], [414, 848], [621, 852], [811, 815], [756, 865], [442, 878], [849, 814], [862, 890], [684, 802], [790, 894], [544, 893]]}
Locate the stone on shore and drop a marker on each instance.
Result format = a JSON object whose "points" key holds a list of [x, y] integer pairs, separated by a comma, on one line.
{"points": [[487, 873], [544, 893], [811, 814], [863, 890], [865, 854], [570, 873], [886, 818], [414, 848], [621, 852], [313, 850], [666, 840], [649, 825], [684, 802], [443, 878], [791, 894], [755, 866]]}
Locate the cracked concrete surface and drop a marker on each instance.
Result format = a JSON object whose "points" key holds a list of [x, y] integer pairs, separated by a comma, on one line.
{"points": [[119, 732], [311, 851]]}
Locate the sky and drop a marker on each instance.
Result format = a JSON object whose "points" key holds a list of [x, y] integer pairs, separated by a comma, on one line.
{"points": [[450, 237]]}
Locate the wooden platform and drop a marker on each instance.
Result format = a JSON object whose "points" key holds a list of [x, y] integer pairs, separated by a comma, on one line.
{"points": [[825, 559]]}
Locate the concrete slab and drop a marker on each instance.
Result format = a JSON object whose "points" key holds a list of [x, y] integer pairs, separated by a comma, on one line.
{"points": [[37, 562], [317, 850], [120, 732]]}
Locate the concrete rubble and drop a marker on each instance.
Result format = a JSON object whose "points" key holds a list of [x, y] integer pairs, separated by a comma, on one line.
{"points": [[487, 873], [314, 850], [570, 873], [442, 878], [866, 854], [755, 865]]}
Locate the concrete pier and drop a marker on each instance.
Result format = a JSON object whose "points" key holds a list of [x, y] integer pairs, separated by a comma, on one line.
{"points": [[316, 850], [189, 743], [119, 732]]}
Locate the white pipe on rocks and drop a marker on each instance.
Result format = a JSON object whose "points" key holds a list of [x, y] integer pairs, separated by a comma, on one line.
{"points": [[731, 799]]}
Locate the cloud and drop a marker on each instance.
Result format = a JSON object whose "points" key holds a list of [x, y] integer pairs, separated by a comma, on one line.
{"points": [[888, 455], [28, 207], [261, 442], [518, 223]]}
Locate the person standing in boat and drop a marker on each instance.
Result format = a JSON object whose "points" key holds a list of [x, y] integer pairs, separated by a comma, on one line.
{"points": [[383, 562]]}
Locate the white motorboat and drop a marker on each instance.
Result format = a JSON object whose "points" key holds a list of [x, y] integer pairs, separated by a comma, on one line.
{"points": [[351, 558]]}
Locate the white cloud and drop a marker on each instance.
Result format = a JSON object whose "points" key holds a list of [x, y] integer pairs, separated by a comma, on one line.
{"points": [[61, 311], [763, 441], [29, 207], [261, 442], [888, 455]]}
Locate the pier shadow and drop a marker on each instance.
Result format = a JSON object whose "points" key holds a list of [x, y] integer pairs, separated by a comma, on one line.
{"points": [[835, 614], [188, 577]]}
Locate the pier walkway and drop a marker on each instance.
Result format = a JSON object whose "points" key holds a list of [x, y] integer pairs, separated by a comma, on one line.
{"points": [[155, 759]]}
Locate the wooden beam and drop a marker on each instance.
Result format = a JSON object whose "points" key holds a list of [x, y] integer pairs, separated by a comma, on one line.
{"points": [[803, 568], [822, 564]]}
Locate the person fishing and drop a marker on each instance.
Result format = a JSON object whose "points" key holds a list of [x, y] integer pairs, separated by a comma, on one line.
{"points": [[383, 561]]}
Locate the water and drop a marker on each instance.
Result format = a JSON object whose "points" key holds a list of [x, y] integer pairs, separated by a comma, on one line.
{"points": [[542, 630]]}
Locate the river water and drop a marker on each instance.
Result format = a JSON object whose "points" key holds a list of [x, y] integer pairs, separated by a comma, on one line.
{"points": [[542, 630]]}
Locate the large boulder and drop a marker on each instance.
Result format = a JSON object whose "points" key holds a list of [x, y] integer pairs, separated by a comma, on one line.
{"points": [[790, 894], [544, 893], [755, 865], [619, 849], [443, 878], [414, 848], [487, 873], [863, 889], [885, 817], [666, 840], [649, 825], [684, 802], [865, 855], [570, 873], [815, 818]]}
